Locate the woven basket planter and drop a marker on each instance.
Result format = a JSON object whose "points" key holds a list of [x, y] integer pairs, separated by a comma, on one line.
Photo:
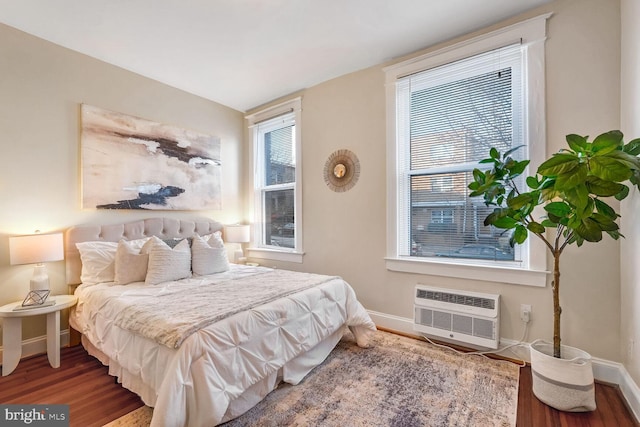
{"points": [[563, 383]]}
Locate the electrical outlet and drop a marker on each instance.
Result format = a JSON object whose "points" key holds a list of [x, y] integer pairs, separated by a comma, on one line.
{"points": [[525, 312]]}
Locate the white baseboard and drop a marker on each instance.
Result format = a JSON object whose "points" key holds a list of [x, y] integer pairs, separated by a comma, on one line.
{"points": [[38, 345], [603, 370]]}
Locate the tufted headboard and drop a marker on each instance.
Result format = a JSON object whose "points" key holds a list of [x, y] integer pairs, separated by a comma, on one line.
{"points": [[164, 228]]}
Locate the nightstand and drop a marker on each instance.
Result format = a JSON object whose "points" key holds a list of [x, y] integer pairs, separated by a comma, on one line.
{"points": [[12, 330]]}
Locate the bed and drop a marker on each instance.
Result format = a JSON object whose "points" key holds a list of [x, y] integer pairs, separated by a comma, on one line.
{"points": [[197, 349]]}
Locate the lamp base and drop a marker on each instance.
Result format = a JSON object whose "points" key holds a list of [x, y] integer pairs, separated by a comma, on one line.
{"points": [[40, 279], [238, 256]]}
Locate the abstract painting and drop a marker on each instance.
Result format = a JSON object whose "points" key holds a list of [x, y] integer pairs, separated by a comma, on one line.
{"points": [[133, 163]]}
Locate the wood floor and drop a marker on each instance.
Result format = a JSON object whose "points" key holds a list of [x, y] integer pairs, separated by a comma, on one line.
{"points": [[95, 399]]}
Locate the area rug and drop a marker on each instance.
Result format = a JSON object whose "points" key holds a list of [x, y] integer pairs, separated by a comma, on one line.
{"points": [[399, 381]]}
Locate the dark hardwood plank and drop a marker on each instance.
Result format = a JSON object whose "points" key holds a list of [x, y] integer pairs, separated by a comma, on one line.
{"points": [[611, 409], [82, 382], [94, 398]]}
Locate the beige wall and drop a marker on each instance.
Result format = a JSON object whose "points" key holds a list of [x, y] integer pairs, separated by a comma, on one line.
{"points": [[344, 233], [41, 88], [630, 247]]}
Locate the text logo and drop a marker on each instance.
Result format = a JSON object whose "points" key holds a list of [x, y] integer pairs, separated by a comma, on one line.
{"points": [[34, 415]]}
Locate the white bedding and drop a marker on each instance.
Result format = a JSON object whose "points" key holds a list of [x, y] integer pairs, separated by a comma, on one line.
{"points": [[206, 380]]}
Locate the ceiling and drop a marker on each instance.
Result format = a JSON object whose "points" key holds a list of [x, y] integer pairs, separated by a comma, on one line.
{"points": [[244, 53]]}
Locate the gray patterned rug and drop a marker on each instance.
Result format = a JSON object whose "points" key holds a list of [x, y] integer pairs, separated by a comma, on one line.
{"points": [[398, 382]]}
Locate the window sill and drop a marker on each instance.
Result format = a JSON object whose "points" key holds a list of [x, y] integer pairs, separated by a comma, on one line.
{"points": [[465, 271], [276, 255]]}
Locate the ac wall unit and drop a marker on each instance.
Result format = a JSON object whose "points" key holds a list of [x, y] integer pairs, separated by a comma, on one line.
{"points": [[466, 317]]}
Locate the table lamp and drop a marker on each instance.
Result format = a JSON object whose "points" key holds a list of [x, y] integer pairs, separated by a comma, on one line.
{"points": [[237, 234], [36, 249]]}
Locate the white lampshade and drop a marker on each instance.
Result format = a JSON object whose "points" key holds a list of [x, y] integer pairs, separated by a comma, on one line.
{"points": [[237, 233], [36, 249]]}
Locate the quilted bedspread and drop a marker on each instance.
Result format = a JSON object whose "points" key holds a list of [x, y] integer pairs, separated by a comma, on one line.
{"points": [[195, 383]]}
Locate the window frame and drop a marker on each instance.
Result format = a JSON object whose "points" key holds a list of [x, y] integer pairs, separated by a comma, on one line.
{"points": [[531, 35], [290, 112]]}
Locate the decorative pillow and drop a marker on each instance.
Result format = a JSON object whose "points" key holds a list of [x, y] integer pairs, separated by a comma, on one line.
{"points": [[214, 239], [98, 260], [173, 242], [131, 263], [208, 257], [167, 264]]}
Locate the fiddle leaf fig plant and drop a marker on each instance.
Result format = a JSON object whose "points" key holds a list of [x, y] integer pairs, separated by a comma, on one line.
{"points": [[566, 200]]}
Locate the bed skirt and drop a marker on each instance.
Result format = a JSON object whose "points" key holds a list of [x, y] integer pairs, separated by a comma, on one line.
{"points": [[296, 369]]}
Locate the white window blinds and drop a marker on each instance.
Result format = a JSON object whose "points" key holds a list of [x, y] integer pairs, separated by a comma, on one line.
{"points": [[447, 120]]}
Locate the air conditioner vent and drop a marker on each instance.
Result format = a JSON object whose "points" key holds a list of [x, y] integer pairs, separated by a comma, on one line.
{"points": [[468, 317], [459, 299]]}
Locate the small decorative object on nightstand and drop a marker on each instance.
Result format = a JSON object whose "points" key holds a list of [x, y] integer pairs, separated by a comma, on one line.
{"points": [[12, 330]]}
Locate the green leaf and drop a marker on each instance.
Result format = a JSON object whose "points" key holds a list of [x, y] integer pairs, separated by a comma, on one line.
{"points": [[558, 164], [605, 209], [589, 230], [479, 176], [602, 188], [511, 150], [536, 227], [549, 223], [604, 222], [518, 167], [494, 153], [615, 234], [520, 234], [577, 239], [504, 222], [623, 193], [578, 196], [609, 169], [573, 178], [547, 183], [587, 210], [558, 209], [633, 147], [519, 201], [532, 182], [607, 142], [577, 143], [630, 161]]}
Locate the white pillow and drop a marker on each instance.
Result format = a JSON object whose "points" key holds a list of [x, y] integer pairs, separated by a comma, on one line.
{"points": [[214, 239], [131, 263], [167, 264], [208, 257], [98, 260]]}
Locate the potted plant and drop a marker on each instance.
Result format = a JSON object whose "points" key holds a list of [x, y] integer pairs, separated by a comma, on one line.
{"points": [[571, 187]]}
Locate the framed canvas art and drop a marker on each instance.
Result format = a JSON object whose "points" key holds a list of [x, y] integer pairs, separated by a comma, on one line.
{"points": [[133, 163]]}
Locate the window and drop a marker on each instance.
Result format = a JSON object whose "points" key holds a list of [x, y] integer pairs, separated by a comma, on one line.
{"points": [[449, 117], [276, 147], [441, 216], [445, 110]]}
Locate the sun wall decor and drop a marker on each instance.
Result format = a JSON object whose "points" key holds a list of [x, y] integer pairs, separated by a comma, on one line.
{"points": [[341, 170]]}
